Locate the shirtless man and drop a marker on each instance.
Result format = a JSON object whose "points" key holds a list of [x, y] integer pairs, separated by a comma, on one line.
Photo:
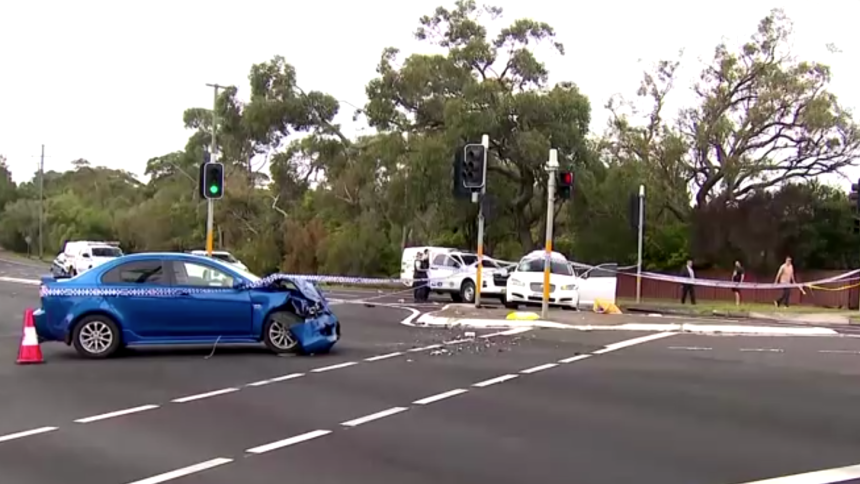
{"points": [[785, 275]]}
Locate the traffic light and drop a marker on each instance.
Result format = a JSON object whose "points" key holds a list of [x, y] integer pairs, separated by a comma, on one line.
{"points": [[474, 167], [854, 196], [564, 185], [211, 180]]}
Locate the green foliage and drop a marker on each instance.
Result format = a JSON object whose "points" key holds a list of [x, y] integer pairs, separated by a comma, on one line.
{"points": [[726, 178]]}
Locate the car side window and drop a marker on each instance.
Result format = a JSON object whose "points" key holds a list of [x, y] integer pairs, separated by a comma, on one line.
{"points": [[138, 272], [439, 260], [200, 275]]}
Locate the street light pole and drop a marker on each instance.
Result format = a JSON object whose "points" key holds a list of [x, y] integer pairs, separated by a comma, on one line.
{"points": [[213, 153], [41, 202], [551, 168]]}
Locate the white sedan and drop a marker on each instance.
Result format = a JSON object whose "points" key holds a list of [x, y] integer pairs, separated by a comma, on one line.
{"points": [[525, 284]]}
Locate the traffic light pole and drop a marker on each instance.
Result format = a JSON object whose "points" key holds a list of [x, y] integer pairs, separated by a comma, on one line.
{"points": [[639, 243], [551, 168], [479, 198], [213, 153]]}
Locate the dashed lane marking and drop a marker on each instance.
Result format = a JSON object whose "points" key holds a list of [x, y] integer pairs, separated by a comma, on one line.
{"points": [[335, 367], [575, 358], [439, 396], [538, 368], [169, 476], [762, 350], [493, 381], [374, 416], [690, 348], [262, 449], [363, 420], [827, 476], [384, 357], [118, 413], [841, 352], [26, 433], [424, 348], [201, 396], [291, 376]]}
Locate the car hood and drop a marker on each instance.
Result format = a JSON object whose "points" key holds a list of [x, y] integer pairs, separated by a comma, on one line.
{"points": [[530, 277], [307, 288]]}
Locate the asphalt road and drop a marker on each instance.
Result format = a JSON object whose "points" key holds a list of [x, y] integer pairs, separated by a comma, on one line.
{"points": [[407, 405]]}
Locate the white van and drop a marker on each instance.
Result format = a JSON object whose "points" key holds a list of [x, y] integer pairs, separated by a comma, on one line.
{"points": [[453, 272], [79, 256]]}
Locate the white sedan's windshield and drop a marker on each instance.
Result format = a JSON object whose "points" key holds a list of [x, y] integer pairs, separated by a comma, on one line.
{"points": [[536, 265]]}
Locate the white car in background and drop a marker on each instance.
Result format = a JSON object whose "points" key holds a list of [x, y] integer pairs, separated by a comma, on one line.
{"points": [[454, 272], [525, 283], [224, 256]]}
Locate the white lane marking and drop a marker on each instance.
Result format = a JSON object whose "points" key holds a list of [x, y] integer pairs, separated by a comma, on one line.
{"points": [[118, 413], [335, 367], [632, 342], [201, 396], [31, 282], [260, 383], [287, 442], [26, 433], [538, 368], [841, 352], [169, 476], [374, 416], [440, 396], [383, 357], [827, 476], [493, 381], [452, 342], [424, 348], [574, 358], [762, 350], [690, 348], [509, 332], [407, 321]]}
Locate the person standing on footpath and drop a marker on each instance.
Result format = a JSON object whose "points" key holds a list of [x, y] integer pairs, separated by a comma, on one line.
{"points": [[425, 269], [785, 275], [418, 276], [687, 288], [737, 277]]}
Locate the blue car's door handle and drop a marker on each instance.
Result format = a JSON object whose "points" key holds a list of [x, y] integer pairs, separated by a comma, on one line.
{"points": [[184, 292]]}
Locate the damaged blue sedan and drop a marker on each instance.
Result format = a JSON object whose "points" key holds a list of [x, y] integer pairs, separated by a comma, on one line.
{"points": [[173, 298]]}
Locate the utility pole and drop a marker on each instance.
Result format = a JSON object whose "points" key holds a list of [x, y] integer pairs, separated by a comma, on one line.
{"points": [[41, 202], [479, 198], [551, 168], [213, 153], [640, 238]]}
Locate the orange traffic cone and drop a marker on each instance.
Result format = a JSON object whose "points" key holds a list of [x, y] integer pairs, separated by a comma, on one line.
{"points": [[29, 351]]}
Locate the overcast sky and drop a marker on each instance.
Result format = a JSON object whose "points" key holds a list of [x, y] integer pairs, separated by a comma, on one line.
{"points": [[108, 81]]}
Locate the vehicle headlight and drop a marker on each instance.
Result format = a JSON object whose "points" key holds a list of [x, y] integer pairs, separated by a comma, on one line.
{"points": [[569, 287], [515, 282]]}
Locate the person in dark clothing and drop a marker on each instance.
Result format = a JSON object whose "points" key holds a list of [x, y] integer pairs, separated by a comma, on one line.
{"points": [[737, 277], [418, 276], [425, 269], [687, 288]]}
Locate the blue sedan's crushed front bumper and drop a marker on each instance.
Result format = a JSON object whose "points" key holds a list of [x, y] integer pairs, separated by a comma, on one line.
{"points": [[318, 334]]}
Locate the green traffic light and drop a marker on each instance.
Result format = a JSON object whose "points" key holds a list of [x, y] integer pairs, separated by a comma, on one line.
{"points": [[213, 189]]}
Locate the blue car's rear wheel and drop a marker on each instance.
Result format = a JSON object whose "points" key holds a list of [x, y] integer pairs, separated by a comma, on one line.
{"points": [[277, 332], [96, 336]]}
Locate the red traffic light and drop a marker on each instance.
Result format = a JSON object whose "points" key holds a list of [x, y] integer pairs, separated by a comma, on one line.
{"points": [[567, 178]]}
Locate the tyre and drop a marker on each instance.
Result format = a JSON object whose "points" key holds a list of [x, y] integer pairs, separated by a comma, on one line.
{"points": [[467, 291], [278, 334], [456, 297], [96, 336], [511, 305]]}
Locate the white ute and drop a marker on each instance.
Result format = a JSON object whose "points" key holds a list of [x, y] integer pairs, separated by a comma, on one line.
{"points": [[80, 256], [454, 272]]}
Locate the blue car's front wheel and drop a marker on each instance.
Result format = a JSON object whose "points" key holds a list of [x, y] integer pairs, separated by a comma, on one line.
{"points": [[277, 332]]}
